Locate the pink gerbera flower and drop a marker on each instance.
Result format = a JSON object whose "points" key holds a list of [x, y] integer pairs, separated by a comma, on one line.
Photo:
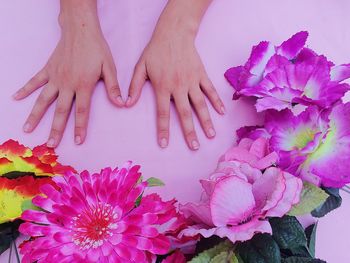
{"points": [[98, 218]]}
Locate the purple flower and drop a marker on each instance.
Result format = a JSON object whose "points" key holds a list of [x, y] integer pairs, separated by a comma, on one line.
{"points": [[289, 74]]}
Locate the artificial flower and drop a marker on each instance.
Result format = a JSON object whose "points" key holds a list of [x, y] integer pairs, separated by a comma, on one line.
{"points": [[330, 162], [22, 172], [41, 161], [280, 77], [16, 195], [249, 75], [314, 145], [239, 198], [176, 257], [98, 218]]}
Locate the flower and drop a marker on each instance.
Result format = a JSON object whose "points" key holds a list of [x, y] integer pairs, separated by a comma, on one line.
{"points": [[294, 137], [283, 76], [98, 218], [241, 195], [16, 195], [176, 257], [41, 161], [314, 145], [249, 75], [22, 172]]}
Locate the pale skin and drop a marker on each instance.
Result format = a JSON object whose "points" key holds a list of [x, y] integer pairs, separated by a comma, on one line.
{"points": [[82, 57]]}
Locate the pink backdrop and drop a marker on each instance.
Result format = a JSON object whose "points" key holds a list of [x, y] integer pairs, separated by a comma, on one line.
{"points": [[29, 32]]}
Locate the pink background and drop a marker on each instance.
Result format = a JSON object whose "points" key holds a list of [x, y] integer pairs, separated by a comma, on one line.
{"points": [[29, 32]]}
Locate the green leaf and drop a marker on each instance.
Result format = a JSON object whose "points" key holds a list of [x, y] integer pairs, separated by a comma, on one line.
{"points": [[261, 248], [289, 234], [208, 255], [225, 256], [311, 198], [302, 260], [310, 233], [333, 201], [154, 182]]}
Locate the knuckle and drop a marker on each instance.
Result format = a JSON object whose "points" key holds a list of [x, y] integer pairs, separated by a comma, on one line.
{"points": [[43, 99], [56, 131], [82, 110], [207, 123], [200, 104], [61, 110], [163, 131], [190, 134], [218, 102], [32, 117], [185, 113], [114, 90], [163, 114], [79, 129]]}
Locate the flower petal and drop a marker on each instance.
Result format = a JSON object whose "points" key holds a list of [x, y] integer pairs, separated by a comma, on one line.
{"points": [[232, 201]]}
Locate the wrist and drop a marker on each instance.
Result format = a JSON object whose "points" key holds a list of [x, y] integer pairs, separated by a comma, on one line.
{"points": [[182, 18], [78, 15]]}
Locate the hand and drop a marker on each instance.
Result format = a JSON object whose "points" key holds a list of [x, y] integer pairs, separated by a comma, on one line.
{"points": [[172, 64], [80, 59]]}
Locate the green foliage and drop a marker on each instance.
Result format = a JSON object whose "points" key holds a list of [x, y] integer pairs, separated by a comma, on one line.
{"points": [[311, 198], [218, 252], [152, 182], [262, 248], [289, 235], [333, 201], [310, 233]]}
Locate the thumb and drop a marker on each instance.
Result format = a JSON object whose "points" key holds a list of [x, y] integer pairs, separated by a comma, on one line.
{"points": [[109, 74], [138, 80]]}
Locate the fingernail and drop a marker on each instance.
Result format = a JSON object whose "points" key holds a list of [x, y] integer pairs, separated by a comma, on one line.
{"points": [[26, 127], [195, 145], [128, 101], [50, 143], [163, 143], [223, 110], [15, 96], [77, 140], [120, 100], [211, 132]]}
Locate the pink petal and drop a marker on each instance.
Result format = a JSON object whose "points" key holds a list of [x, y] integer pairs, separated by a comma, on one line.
{"points": [[198, 213], [245, 231], [269, 188], [290, 197], [232, 201]]}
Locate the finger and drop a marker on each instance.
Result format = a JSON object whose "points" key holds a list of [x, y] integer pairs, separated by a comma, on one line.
{"points": [[82, 110], [211, 93], [198, 102], [45, 99], [185, 113], [63, 108], [138, 80], [109, 73], [40, 79], [163, 116]]}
